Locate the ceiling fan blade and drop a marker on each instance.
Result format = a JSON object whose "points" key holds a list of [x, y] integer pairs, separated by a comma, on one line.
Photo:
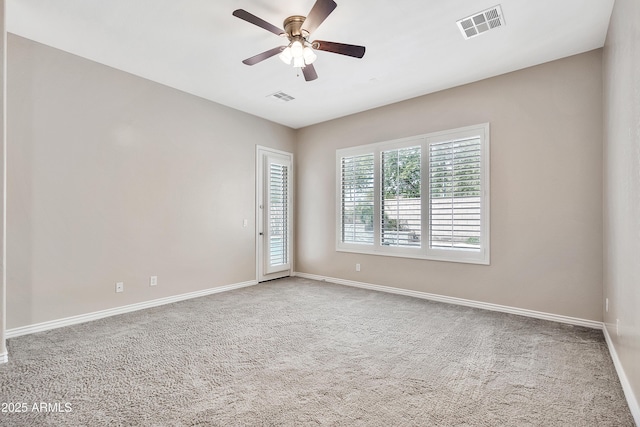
{"points": [[319, 12], [341, 48], [246, 16], [264, 55], [309, 73]]}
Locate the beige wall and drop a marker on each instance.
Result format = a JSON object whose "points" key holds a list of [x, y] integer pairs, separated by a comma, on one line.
{"points": [[546, 198], [115, 178], [3, 58], [622, 185]]}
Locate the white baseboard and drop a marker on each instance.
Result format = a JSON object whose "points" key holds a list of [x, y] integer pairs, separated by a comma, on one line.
{"points": [[624, 381], [74, 320], [4, 358], [460, 301]]}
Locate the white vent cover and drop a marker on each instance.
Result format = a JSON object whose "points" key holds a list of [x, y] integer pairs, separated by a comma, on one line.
{"points": [[479, 23], [281, 97]]}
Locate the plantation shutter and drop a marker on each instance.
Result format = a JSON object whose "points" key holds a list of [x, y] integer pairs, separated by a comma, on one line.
{"points": [[357, 199], [400, 199], [278, 216], [455, 194], [424, 197]]}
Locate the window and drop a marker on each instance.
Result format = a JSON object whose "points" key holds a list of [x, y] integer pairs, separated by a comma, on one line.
{"points": [[278, 205], [400, 205], [454, 194], [420, 197], [357, 199]]}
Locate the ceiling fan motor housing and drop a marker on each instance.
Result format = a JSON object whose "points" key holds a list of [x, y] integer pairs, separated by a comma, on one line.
{"points": [[293, 27]]}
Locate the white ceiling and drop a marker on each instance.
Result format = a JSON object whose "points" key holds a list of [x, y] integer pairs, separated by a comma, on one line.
{"points": [[413, 46]]}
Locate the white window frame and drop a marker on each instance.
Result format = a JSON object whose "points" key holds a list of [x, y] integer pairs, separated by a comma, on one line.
{"points": [[481, 256]]}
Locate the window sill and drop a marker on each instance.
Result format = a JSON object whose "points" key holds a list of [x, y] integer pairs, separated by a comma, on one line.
{"points": [[459, 256]]}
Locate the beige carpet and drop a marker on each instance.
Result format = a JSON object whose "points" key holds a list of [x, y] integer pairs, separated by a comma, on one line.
{"points": [[300, 352]]}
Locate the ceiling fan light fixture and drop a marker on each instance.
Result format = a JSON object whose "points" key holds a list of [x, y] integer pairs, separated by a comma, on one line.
{"points": [[286, 56], [296, 49], [309, 55], [298, 62]]}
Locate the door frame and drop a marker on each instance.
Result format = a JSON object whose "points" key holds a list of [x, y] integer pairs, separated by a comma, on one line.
{"points": [[260, 220]]}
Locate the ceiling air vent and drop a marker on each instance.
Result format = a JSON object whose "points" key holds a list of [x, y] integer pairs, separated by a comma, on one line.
{"points": [[479, 23], [281, 97]]}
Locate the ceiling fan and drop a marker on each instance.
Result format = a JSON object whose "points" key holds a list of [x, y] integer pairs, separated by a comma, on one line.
{"points": [[297, 29]]}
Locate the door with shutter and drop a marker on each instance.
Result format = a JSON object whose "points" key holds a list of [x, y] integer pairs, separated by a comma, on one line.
{"points": [[274, 214]]}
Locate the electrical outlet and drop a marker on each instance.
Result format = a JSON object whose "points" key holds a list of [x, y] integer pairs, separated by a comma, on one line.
{"points": [[357, 267], [120, 287], [618, 327], [245, 223], [606, 305], [153, 280]]}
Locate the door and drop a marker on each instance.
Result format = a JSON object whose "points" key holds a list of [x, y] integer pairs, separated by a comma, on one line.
{"points": [[273, 214]]}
